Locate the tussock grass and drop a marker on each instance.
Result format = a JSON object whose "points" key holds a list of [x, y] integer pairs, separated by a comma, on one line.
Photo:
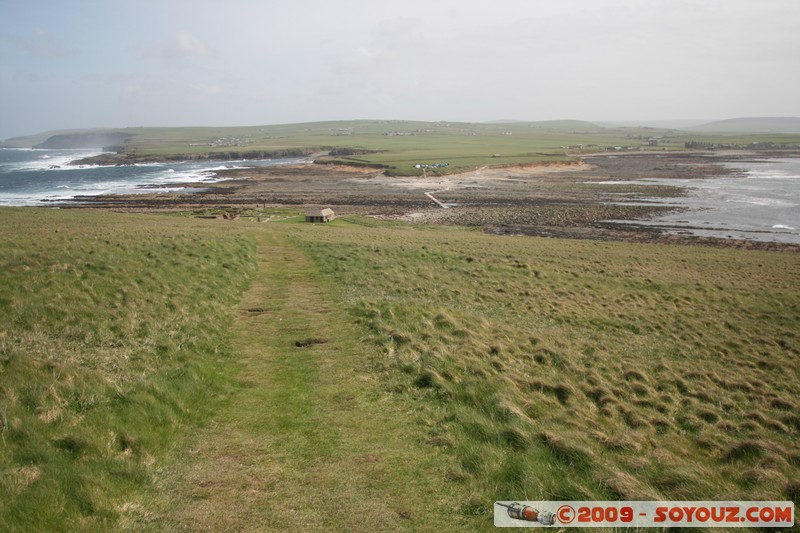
{"points": [[582, 370], [113, 337], [542, 369]]}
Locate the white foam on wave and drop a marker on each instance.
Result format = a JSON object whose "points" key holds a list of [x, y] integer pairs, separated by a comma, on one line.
{"points": [[194, 175], [182, 176], [223, 167], [21, 200], [771, 174], [759, 201], [783, 226], [53, 162], [65, 182]]}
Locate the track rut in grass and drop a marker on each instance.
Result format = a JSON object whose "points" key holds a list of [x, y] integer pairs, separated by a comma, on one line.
{"points": [[309, 440]]}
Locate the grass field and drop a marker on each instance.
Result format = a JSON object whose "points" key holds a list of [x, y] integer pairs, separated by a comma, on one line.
{"points": [[174, 373], [584, 370], [396, 145], [399, 146], [114, 339]]}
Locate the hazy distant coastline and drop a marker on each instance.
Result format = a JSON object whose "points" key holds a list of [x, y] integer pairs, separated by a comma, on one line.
{"points": [[438, 156], [393, 144], [100, 137]]}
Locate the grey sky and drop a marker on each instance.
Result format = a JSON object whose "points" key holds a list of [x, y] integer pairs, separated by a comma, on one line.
{"points": [[174, 63]]}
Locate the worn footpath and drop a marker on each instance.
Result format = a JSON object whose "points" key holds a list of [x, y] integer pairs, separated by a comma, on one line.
{"points": [[309, 441]]}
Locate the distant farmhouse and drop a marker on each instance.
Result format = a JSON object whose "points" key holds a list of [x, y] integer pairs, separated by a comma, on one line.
{"points": [[320, 215]]}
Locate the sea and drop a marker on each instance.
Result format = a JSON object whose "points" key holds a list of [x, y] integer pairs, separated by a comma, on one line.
{"points": [[760, 201], [30, 177]]}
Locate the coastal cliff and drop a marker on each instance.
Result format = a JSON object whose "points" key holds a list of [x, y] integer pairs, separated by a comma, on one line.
{"points": [[123, 157], [73, 141]]}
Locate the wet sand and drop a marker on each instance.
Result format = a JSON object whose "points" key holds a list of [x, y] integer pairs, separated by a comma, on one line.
{"points": [[566, 200]]}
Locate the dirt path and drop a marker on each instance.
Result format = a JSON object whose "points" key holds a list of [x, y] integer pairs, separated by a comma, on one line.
{"points": [[454, 184], [437, 202], [310, 441]]}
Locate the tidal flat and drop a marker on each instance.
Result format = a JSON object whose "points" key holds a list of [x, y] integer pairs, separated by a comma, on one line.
{"points": [[600, 197]]}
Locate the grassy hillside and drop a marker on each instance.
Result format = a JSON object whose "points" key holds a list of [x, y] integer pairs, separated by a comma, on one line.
{"points": [[398, 146], [583, 370], [114, 337], [753, 125], [411, 375], [29, 141]]}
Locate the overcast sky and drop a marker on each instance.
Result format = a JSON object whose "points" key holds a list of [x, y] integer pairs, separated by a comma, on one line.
{"points": [[110, 63]]}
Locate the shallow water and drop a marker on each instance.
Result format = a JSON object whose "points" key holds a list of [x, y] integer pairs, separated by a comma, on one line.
{"points": [[761, 202]]}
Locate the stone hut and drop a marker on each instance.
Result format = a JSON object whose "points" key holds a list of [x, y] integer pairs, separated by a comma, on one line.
{"points": [[320, 215]]}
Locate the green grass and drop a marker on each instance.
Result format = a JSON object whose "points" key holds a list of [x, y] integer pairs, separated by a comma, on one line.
{"points": [[463, 146], [379, 375], [114, 336], [584, 370], [309, 440]]}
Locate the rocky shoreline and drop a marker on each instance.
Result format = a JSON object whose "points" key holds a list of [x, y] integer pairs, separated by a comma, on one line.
{"points": [[568, 201]]}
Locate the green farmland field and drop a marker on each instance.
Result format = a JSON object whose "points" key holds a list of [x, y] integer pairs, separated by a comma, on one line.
{"points": [[398, 146]]}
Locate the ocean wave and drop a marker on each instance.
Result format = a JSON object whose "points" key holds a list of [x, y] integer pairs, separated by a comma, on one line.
{"points": [[23, 200], [51, 162], [32, 179], [759, 201], [193, 175], [771, 175], [182, 176], [222, 167]]}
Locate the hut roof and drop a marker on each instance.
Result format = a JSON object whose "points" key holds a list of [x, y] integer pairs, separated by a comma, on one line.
{"points": [[319, 212]]}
